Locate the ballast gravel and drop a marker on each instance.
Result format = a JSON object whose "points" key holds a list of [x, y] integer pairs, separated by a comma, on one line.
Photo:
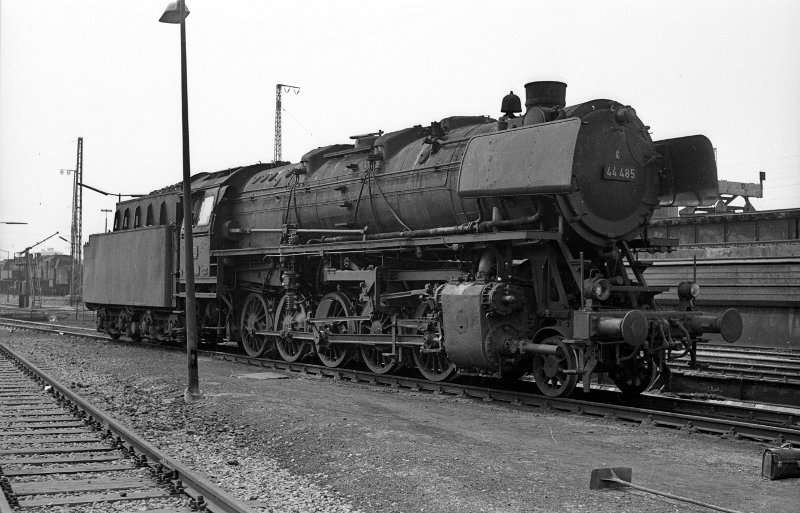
{"points": [[308, 444]]}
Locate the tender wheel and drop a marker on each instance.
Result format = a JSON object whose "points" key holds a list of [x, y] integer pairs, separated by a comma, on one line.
{"points": [[635, 375], [134, 331], [146, 326], [112, 327], [287, 322], [336, 304], [158, 333], [256, 316], [374, 356], [549, 371], [434, 366]]}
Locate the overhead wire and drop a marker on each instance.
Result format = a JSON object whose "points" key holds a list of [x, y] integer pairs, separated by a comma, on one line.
{"points": [[39, 153], [302, 125]]}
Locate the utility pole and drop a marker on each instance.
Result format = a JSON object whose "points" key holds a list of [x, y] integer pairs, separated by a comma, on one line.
{"points": [[76, 282], [278, 89], [27, 290], [106, 210]]}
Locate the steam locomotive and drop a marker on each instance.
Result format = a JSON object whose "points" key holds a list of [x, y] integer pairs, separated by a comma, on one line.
{"points": [[471, 246]]}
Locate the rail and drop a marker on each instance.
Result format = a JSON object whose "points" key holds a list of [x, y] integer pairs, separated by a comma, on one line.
{"points": [[192, 484], [762, 423]]}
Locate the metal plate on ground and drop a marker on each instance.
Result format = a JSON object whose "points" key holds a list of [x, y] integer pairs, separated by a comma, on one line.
{"points": [[263, 375]]}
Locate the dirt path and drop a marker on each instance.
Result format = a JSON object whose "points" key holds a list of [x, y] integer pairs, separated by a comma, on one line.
{"points": [[383, 449]]}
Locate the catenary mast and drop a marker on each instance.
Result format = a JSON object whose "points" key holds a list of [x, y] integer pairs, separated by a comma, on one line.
{"points": [[75, 285], [278, 108]]}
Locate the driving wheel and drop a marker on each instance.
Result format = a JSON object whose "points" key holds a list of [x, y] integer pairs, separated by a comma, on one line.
{"points": [[256, 316], [377, 357], [290, 321], [336, 304]]}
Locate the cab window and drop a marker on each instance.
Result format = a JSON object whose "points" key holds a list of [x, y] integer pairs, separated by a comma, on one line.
{"points": [[206, 207]]}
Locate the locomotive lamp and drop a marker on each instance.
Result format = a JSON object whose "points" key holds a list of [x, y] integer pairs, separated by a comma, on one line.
{"points": [[688, 290], [596, 288], [176, 13]]}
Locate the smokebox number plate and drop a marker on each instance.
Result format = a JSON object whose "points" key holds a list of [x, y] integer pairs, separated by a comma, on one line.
{"points": [[614, 172]]}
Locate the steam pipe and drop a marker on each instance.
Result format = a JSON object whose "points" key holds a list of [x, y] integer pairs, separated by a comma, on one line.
{"points": [[484, 226], [299, 230]]}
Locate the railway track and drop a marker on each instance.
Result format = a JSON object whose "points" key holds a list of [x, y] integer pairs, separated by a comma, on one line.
{"points": [[57, 450], [763, 350], [749, 360], [761, 423], [761, 366]]}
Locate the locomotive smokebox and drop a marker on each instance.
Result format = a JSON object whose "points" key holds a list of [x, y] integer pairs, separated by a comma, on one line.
{"points": [[545, 94]]}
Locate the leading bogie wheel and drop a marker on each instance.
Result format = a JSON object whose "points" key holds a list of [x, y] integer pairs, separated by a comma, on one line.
{"points": [[256, 316], [336, 304], [287, 322], [634, 376], [550, 370], [434, 366]]}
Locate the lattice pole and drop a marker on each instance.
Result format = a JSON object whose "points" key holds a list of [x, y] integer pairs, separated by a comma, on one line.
{"points": [[278, 109], [76, 282]]}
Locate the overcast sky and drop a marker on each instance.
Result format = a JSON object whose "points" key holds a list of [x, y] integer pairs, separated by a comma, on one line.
{"points": [[108, 71]]}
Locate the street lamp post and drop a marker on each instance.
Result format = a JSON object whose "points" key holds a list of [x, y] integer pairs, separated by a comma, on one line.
{"points": [[176, 13]]}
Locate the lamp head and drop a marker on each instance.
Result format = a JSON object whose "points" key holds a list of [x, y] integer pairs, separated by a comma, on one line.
{"points": [[596, 288], [688, 290], [173, 13]]}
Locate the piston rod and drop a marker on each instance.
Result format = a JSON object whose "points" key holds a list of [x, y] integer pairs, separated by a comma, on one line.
{"points": [[533, 347]]}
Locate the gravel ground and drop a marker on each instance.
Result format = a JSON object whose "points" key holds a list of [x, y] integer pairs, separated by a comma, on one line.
{"points": [[302, 444]]}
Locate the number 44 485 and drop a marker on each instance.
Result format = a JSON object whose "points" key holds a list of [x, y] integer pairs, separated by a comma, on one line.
{"points": [[613, 172]]}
